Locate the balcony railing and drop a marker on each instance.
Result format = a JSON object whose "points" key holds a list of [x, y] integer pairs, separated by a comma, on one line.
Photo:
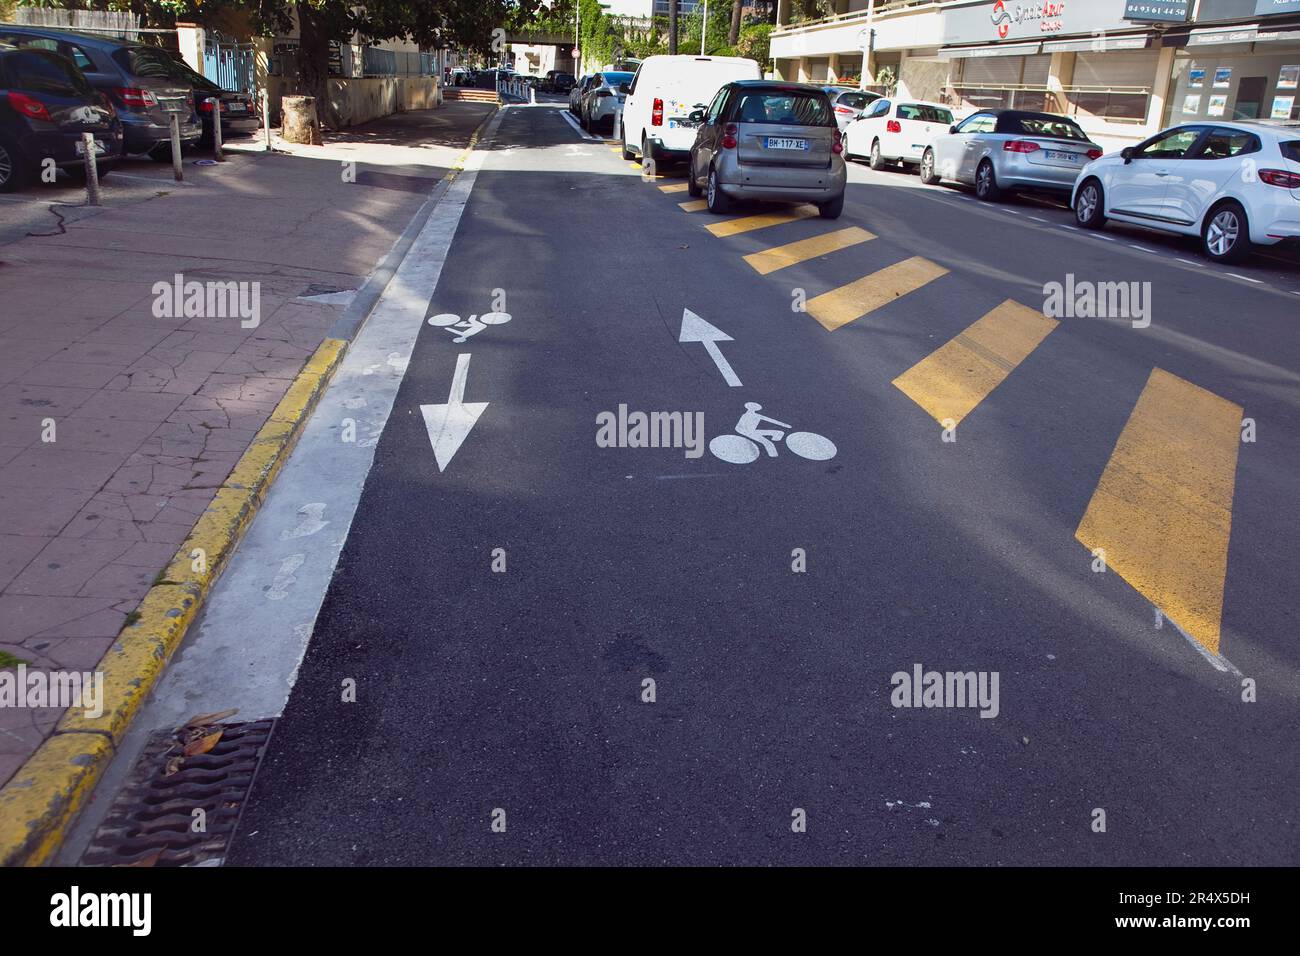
{"points": [[837, 19]]}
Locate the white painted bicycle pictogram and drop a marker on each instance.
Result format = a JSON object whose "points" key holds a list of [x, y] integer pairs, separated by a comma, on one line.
{"points": [[467, 327], [743, 447]]}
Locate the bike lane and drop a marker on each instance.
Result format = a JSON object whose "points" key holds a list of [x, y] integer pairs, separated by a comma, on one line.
{"points": [[543, 645]]}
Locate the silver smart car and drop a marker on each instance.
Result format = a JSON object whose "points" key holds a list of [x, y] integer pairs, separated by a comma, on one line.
{"points": [[764, 139]]}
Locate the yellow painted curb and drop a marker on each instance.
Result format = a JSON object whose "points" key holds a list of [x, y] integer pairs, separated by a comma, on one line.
{"points": [[44, 795]]}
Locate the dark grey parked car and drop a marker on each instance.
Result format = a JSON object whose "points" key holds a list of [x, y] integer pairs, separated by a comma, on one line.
{"points": [[141, 82]]}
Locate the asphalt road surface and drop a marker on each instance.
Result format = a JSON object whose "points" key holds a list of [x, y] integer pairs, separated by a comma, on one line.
{"points": [[502, 716]]}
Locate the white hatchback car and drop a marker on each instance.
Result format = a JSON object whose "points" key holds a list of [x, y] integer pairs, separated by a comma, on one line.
{"points": [[896, 131], [1234, 184]]}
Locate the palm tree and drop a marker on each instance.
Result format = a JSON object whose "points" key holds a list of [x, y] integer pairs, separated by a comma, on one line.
{"points": [[672, 27], [734, 36]]}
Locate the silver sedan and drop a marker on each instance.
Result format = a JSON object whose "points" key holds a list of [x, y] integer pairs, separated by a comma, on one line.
{"points": [[1002, 150]]}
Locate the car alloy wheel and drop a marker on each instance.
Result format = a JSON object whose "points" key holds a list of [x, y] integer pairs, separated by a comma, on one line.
{"points": [[927, 166], [1223, 233], [876, 160], [6, 166], [1086, 207]]}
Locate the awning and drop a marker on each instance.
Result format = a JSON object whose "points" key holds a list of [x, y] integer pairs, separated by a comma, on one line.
{"points": [[997, 49], [1208, 37], [1266, 34], [1099, 44]]}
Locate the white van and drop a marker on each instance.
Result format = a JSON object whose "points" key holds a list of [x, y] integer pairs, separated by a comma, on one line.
{"points": [[664, 92]]}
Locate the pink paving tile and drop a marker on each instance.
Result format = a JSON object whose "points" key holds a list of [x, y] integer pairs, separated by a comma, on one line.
{"points": [[65, 567], [78, 653], [105, 622], [69, 374], [99, 434], [101, 353], [42, 400], [41, 511], [145, 555], [16, 551], [50, 466], [25, 615], [131, 406], [120, 581], [132, 332]]}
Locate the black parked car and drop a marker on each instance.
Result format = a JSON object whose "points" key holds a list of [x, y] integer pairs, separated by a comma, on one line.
{"points": [[238, 111], [45, 106], [142, 83]]}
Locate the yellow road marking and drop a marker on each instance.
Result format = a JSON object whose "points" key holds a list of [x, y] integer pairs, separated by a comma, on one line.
{"points": [[851, 302], [1163, 508], [695, 205], [674, 188], [734, 227], [954, 378], [770, 260]]}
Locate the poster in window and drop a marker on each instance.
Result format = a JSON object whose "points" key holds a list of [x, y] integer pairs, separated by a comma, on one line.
{"points": [[1196, 78], [1192, 104], [1223, 78], [1282, 107], [1288, 78], [1218, 105]]}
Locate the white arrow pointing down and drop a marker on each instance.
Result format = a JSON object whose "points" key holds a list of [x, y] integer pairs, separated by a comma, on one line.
{"points": [[448, 425]]}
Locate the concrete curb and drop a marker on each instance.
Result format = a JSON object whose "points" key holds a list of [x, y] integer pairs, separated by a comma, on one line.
{"points": [[43, 797]]}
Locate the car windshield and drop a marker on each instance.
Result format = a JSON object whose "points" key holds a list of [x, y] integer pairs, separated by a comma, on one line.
{"points": [[787, 108], [614, 79], [926, 114], [1049, 127]]}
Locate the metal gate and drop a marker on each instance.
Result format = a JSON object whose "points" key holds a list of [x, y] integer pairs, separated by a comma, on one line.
{"points": [[229, 63]]}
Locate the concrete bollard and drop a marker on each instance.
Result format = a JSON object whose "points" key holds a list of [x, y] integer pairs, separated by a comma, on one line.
{"points": [[177, 170], [216, 129], [92, 171]]}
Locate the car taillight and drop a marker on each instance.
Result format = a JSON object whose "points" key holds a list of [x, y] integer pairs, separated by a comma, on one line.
{"points": [[206, 106], [1274, 177], [657, 113], [843, 109], [136, 98], [894, 126], [1020, 146], [838, 145], [29, 106], [1094, 154], [729, 132]]}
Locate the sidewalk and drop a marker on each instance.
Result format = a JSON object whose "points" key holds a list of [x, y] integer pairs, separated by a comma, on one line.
{"points": [[118, 424]]}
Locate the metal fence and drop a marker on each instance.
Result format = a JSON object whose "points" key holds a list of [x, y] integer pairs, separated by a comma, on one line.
{"points": [[229, 64]]}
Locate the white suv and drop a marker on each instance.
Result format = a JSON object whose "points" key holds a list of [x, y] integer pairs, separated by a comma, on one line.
{"points": [[1234, 184]]}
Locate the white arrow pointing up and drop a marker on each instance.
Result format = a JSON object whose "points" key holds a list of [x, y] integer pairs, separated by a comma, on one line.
{"points": [[448, 425], [695, 329]]}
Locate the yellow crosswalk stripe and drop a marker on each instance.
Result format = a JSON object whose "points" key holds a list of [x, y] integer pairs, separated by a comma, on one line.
{"points": [[695, 205], [770, 260], [734, 227], [674, 188], [1162, 511], [954, 378], [851, 302]]}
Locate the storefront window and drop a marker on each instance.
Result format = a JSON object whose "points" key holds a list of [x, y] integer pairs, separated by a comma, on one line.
{"points": [[1231, 82]]}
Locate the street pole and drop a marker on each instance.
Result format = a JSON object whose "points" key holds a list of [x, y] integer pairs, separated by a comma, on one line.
{"points": [[266, 119], [217, 154], [92, 171], [704, 26], [871, 46], [176, 145]]}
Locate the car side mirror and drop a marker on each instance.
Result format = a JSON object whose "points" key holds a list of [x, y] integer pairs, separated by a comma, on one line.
{"points": [[696, 116], [952, 128], [625, 87], [1127, 154]]}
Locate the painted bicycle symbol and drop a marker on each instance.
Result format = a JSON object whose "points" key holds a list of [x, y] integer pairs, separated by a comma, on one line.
{"points": [[743, 447], [467, 327]]}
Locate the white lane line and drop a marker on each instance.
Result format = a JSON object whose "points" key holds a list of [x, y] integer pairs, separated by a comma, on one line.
{"points": [[1011, 211], [1097, 235], [568, 118], [1039, 219], [1132, 245], [1071, 228], [1237, 275], [1186, 262]]}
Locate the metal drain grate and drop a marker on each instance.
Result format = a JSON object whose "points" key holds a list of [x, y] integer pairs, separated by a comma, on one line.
{"points": [[152, 821]]}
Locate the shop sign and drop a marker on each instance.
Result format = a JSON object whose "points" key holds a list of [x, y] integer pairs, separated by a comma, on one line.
{"points": [[990, 21], [1158, 11]]}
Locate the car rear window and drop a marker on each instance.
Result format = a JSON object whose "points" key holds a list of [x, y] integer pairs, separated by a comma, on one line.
{"points": [[150, 62], [36, 71], [855, 101], [926, 114], [1291, 150], [1050, 127], [614, 79], [786, 108]]}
